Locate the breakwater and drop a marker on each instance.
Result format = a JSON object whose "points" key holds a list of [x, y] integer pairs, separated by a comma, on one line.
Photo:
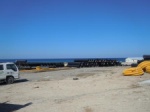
{"points": [[24, 64]]}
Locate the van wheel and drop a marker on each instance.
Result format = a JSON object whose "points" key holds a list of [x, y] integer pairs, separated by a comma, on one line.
{"points": [[10, 80]]}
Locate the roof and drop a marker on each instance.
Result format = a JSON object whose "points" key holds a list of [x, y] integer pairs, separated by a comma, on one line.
{"points": [[135, 58]]}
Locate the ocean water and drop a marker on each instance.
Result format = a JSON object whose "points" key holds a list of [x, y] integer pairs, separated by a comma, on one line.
{"points": [[57, 60]]}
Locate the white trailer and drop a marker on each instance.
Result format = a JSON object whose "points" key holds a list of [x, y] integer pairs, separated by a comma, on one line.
{"points": [[8, 72]]}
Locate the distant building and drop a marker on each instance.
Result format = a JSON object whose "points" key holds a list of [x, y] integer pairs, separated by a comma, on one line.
{"points": [[133, 59]]}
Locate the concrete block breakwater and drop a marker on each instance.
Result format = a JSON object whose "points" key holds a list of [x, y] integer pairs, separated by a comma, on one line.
{"points": [[24, 64]]}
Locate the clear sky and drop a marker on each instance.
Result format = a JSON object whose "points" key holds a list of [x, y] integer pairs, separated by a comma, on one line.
{"points": [[74, 28]]}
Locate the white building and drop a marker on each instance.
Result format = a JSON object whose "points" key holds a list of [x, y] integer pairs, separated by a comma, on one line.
{"points": [[133, 59]]}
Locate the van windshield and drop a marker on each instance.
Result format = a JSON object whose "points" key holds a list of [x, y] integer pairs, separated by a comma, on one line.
{"points": [[12, 67]]}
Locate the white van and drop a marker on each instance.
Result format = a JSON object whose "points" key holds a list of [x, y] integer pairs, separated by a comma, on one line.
{"points": [[8, 72]]}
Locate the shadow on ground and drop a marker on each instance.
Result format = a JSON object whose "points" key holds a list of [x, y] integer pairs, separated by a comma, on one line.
{"points": [[17, 81], [6, 107], [21, 80]]}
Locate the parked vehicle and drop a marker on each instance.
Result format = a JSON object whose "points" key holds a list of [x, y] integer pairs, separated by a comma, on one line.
{"points": [[8, 72]]}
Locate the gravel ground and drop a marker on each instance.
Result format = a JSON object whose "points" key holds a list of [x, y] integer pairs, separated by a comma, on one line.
{"points": [[62, 74], [101, 89]]}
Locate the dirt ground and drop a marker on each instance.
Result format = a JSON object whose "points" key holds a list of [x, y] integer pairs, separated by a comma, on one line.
{"points": [[102, 89]]}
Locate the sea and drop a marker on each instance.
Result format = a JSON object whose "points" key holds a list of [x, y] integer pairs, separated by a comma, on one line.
{"points": [[57, 60]]}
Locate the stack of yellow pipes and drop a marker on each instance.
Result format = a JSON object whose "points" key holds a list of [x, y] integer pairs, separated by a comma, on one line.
{"points": [[148, 69], [38, 68], [139, 70]]}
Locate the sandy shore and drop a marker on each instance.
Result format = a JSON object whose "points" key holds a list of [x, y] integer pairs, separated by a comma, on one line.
{"points": [[102, 89]]}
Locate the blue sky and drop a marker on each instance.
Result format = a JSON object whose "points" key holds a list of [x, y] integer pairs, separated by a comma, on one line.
{"points": [[74, 28]]}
